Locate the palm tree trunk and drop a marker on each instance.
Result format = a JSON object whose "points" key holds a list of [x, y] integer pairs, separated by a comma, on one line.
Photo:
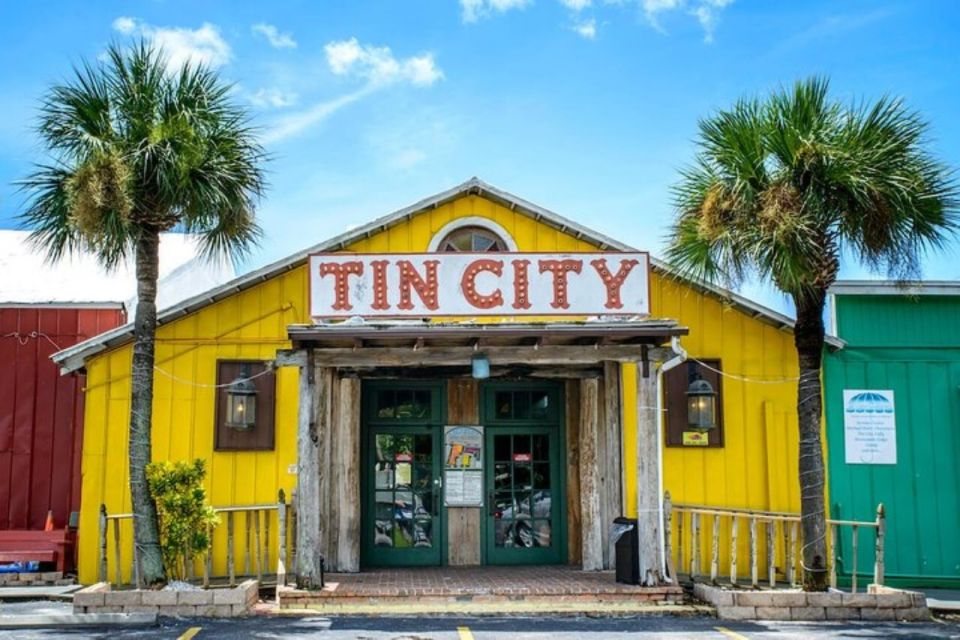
{"points": [[146, 532], [809, 340]]}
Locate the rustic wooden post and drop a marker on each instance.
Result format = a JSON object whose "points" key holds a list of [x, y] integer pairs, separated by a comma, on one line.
{"points": [[266, 540], [878, 565], [791, 554], [116, 552], [853, 549], [771, 555], [694, 544], [667, 531], [281, 539], [208, 562], [231, 570], [309, 514], [348, 474], [754, 568], [832, 542], [648, 460], [590, 490], [135, 569], [715, 550], [733, 550], [102, 545], [611, 460], [680, 517], [256, 540]]}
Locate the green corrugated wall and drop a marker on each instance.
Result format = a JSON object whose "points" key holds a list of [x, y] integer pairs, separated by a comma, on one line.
{"points": [[912, 346]]}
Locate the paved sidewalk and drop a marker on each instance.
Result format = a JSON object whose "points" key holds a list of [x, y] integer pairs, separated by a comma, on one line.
{"points": [[45, 614], [947, 600]]}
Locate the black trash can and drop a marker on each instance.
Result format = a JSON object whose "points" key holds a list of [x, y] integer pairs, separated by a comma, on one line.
{"points": [[627, 548]]}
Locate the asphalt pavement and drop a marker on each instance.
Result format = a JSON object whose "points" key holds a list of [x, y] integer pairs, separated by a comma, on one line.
{"points": [[504, 628]]}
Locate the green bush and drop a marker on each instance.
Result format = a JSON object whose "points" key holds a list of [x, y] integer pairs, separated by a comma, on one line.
{"points": [[186, 520]]}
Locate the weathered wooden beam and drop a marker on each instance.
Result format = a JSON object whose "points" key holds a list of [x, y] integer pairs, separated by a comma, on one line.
{"points": [[590, 487], [347, 465], [572, 431], [648, 492], [309, 510], [611, 468], [428, 355]]}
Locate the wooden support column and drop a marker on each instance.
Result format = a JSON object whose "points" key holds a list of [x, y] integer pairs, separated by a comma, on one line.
{"points": [[590, 485], [463, 523], [648, 498], [572, 426], [309, 550], [611, 470], [347, 472]]}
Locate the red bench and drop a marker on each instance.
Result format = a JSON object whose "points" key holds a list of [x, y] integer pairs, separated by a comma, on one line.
{"points": [[56, 547]]}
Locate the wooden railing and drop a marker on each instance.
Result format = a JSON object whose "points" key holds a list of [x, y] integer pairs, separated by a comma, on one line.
{"points": [[696, 534], [257, 547]]}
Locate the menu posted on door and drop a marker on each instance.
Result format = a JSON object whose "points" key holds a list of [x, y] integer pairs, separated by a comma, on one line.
{"points": [[463, 466]]}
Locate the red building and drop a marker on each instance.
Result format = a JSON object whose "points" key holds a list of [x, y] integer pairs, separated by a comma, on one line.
{"points": [[43, 309]]}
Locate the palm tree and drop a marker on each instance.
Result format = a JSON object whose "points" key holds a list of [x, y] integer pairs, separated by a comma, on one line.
{"points": [[782, 188], [137, 148]]}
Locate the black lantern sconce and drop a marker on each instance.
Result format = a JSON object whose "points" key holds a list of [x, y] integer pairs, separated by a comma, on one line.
{"points": [[701, 401], [242, 402]]}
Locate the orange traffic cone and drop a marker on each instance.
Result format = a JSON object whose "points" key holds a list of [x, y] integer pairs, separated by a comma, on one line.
{"points": [[49, 525]]}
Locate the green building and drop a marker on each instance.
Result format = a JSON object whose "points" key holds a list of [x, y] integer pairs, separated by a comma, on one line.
{"points": [[893, 426]]}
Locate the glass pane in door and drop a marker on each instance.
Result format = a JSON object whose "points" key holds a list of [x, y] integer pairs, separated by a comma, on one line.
{"points": [[404, 491], [522, 509]]}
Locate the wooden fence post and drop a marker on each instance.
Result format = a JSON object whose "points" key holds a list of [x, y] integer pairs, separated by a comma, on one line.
{"points": [[667, 530], [116, 552], [281, 539], [231, 571], [853, 549], [680, 516], [791, 554], [102, 566], [754, 568], [733, 550], [715, 550], [771, 555], [878, 565], [694, 545], [832, 542]]}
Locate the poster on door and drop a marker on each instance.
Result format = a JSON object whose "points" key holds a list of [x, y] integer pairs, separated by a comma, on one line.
{"points": [[869, 426], [463, 466]]}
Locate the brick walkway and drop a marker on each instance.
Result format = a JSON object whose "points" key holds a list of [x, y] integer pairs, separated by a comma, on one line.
{"points": [[489, 585]]}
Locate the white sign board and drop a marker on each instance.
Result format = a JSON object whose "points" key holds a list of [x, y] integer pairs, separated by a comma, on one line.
{"points": [[344, 285], [869, 427], [463, 466]]}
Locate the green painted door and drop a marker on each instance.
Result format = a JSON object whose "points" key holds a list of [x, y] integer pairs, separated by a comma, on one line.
{"points": [[401, 515], [524, 515]]}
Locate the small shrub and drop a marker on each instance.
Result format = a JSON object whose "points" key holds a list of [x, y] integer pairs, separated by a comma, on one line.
{"points": [[186, 520]]}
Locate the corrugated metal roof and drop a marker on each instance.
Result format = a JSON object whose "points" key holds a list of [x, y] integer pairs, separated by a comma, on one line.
{"points": [[74, 358]]}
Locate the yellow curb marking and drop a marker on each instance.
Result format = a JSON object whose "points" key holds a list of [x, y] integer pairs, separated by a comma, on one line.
{"points": [[731, 634], [189, 633], [464, 633]]}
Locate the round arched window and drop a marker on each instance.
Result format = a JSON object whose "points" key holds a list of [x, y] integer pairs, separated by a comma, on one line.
{"points": [[472, 239]]}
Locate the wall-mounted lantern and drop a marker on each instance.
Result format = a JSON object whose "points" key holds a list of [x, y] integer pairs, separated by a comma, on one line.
{"points": [[701, 401], [242, 402], [480, 366]]}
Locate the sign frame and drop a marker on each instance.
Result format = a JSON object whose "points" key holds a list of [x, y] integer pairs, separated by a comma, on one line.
{"points": [[869, 433], [464, 467]]}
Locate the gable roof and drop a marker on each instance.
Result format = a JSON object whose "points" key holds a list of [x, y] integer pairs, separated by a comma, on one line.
{"points": [[73, 358]]}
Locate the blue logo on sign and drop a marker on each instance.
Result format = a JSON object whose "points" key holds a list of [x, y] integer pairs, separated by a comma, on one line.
{"points": [[870, 402]]}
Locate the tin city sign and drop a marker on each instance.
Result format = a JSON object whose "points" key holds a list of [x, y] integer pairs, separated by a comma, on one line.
{"points": [[478, 284]]}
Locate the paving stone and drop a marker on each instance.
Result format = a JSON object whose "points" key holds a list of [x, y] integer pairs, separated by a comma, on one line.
{"points": [[859, 600], [771, 599], [868, 613], [229, 596], [124, 598], [894, 600], [842, 613], [51, 576], [773, 613], [223, 610], [141, 608], [159, 598], [239, 610], [830, 599], [737, 613], [195, 597], [807, 613], [912, 614]]}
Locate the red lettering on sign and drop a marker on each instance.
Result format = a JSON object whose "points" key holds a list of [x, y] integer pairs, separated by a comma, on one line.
{"points": [[341, 272], [560, 269], [613, 283], [468, 283], [380, 302], [521, 284], [426, 287]]}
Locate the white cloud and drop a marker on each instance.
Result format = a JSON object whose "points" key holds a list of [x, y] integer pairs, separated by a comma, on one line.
{"points": [[707, 12], [296, 122], [273, 97], [586, 29], [473, 10], [576, 5], [276, 39], [203, 45], [379, 66]]}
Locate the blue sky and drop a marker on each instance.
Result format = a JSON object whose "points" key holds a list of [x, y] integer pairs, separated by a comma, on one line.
{"points": [[587, 108]]}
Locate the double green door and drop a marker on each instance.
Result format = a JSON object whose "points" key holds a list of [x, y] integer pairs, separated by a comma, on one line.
{"points": [[403, 514]]}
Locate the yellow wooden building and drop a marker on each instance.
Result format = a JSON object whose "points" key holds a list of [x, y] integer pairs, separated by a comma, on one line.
{"points": [[368, 404]]}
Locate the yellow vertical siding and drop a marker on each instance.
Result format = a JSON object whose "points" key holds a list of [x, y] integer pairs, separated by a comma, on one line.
{"points": [[747, 472]]}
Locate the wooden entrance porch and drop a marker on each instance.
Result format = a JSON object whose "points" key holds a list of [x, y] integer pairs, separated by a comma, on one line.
{"points": [[335, 358]]}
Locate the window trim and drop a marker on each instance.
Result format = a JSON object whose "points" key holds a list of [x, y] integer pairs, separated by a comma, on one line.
{"points": [[472, 221]]}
